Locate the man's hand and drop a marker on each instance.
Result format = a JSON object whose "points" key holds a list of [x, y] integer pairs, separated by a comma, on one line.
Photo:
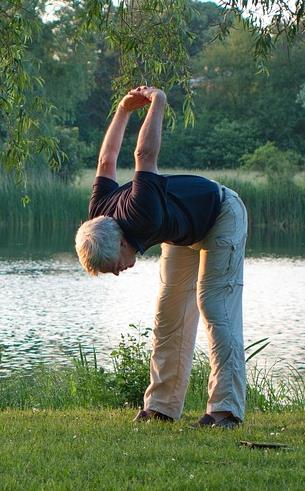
{"points": [[134, 100], [148, 92]]}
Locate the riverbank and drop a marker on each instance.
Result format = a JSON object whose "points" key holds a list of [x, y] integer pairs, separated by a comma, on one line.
{"points": [[104, 450], [83, 384]]}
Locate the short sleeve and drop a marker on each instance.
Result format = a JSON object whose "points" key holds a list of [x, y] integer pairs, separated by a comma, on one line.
{"points": [[148, 198], [102, 187], [143, 213]]}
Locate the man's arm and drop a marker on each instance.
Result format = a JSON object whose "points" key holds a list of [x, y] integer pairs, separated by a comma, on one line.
{"points": [[112, 143], [149, 139]]}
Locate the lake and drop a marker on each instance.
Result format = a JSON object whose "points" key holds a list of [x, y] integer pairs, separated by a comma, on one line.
{"points": [[48, 305]]}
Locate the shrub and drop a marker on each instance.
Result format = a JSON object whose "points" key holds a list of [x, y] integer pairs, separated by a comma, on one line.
{"points": [[131, 367], [275, 163]]}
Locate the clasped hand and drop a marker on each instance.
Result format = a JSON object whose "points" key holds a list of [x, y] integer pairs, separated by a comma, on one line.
{"points": [[140, 97]]}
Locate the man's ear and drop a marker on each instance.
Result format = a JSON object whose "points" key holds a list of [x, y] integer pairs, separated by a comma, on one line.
{"points": [[123, 242]]}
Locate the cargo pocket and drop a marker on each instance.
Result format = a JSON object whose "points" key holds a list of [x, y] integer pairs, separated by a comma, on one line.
{"points": [[232, 254]]}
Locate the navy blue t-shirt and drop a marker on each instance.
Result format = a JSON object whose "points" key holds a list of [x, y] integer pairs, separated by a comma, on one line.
{"points": [[154, 208]]}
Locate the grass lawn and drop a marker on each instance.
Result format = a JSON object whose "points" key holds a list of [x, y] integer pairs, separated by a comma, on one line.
{"points": [[103, 449]]}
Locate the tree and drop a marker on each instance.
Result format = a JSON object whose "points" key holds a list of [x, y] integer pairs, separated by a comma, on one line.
{"points": [[68, 68], [268, 20], [19, 78], [151, 38], [234, 95]]}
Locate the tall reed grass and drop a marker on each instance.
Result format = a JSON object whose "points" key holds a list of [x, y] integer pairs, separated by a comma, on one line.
{"points": [[53, 205], [56, 206], [279, 204]]}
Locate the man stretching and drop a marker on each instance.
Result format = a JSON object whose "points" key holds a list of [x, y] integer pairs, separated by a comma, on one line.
{"points": [[202, 229]]}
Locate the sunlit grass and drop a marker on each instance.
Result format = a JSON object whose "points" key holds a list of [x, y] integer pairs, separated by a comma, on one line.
{"points": [[72, 428], [86, 179], [104, 450]]}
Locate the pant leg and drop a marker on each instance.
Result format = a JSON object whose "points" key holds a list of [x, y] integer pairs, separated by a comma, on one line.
{"points": [[220, 285], [175, 331]]}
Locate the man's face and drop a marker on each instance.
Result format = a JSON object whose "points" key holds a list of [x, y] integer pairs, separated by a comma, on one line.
{"points": [[126, 259]]}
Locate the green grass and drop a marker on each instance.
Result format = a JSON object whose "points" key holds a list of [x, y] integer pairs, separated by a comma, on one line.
{"points": [[71, 428], [104, 450], [83, 384]]}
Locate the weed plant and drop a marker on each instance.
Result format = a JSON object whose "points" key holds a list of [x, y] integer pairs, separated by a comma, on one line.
{"points": [[83, 384], [131, 366]]}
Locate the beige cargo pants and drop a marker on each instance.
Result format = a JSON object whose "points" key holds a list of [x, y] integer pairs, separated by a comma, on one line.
{"points": [[206, 277]]}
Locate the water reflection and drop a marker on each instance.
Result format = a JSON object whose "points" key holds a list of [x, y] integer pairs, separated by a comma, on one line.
{"points": [[48, 305], [261, 242], [275, 242]]}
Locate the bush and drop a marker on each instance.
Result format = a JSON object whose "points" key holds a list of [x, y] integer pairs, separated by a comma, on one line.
{"points": [[275, 163]]}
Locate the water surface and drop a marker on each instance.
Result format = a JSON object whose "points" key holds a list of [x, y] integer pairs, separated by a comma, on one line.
{"points": [[48, 305]]}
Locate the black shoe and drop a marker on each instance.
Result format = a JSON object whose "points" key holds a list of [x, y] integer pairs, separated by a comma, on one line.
{"points": [[144, 416], [228, 422]]}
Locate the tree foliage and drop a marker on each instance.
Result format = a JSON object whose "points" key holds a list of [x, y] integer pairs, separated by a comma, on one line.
{"points": [[21, 105], [49, 71], [149, 36], [267, 20]]}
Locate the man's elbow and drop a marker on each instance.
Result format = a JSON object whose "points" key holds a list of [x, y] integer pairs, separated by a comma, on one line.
{"points": [[145, 154], [145, 160], [106, 167], [107, 160]]}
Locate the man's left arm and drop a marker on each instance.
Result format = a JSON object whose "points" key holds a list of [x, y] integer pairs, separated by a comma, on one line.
{"points": [[149, 139], [112, 143]]}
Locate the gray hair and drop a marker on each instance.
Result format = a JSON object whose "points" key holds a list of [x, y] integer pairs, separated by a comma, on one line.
{"points": [[98, 242]]}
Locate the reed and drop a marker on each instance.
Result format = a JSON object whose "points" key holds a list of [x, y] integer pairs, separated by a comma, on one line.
{"points": [[277, 205], [55, 206]]}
